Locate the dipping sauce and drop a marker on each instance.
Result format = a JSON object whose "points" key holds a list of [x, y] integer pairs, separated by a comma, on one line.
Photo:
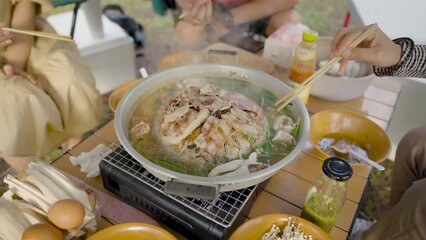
{"points": [[321, 210]]}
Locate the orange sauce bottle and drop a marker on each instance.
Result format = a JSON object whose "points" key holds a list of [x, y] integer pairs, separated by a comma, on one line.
{"points": [[303, 64]]}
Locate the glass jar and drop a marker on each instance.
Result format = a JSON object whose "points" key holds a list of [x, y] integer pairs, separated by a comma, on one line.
{"points": [[327, 194], [303, 63]]}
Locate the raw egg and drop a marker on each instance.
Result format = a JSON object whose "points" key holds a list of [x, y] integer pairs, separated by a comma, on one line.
{"points": [[42, 231], [66, 213]]}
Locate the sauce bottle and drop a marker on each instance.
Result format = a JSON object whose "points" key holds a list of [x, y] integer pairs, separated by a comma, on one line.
{"points": [[327, 194], [303, 63]]}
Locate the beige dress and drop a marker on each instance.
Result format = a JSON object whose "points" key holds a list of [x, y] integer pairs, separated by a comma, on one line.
{"points": [[34, 121]]}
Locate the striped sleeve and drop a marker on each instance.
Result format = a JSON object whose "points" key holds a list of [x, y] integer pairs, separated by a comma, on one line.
{"points": [[412, 63]]}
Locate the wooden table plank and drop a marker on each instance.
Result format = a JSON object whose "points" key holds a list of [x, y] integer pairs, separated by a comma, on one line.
{"points": [[267, 203], [346, 215], [89, 144], [64, 164], [288, 187], [338, 234], [392, 84], [107, 132], [381, 95]]}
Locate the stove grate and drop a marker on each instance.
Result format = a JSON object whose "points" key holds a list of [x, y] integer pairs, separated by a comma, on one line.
{"points": [[222, 210]]}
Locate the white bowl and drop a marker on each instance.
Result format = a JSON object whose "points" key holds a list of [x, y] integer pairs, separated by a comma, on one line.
{"points": [[337, 88]]}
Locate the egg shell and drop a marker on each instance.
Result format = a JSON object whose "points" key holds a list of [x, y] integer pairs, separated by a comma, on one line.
{"points": [[66, 213], [42, 231]]}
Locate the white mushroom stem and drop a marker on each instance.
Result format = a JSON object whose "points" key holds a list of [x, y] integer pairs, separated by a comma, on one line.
{"points": [[228, 167], [12, 221], [33, 216], [50, 190], [63, 182], [27, 192], [237, 167], [24, 205]]}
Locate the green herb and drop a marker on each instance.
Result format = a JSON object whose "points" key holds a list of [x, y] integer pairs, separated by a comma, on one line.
{"points": [[171, 166], [297, 127], [285, 111], [262, 147]]}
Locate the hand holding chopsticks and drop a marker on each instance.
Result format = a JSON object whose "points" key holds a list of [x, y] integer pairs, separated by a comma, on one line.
{"points": [[40, 34], [283, 102]]}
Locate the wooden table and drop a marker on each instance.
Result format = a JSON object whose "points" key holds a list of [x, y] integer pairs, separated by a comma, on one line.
{"points": [[286, 190]]}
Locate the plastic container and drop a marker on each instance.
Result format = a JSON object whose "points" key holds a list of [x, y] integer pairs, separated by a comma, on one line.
{"points": [[327, 194], [279, 46], [303, 63], [80, 232]]}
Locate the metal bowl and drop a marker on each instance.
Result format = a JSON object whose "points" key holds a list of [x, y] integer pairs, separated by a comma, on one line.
{"points": [[195, 186]]}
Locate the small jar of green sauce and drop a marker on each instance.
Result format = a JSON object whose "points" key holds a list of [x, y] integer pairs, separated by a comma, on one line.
{"points": [[327, 194]]}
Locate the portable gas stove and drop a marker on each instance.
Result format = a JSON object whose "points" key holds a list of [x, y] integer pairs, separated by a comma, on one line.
{"points": [[193, 218]]}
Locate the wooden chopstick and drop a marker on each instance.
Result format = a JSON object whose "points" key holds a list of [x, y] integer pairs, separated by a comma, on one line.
{"points": [[284, 101], [40, 34]]}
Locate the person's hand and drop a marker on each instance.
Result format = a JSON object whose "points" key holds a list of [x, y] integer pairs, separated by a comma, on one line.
{"points": [[5, 37], [377, 49], [196, 12], [11, 71]]}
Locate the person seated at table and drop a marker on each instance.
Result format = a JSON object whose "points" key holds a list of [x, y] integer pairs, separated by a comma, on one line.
{"points": [[406, 218], [47, 92], [206, 21]]}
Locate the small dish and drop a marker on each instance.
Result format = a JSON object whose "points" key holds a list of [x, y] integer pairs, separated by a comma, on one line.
{"points": [[117, 94], [256, 227], [133, 231], [178, 58]]}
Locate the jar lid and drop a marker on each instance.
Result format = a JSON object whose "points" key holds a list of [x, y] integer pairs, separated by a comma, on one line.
{"points": [[310, 35], [337, 169]]}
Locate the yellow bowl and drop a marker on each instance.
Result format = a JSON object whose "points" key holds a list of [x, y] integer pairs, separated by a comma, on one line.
{"points": [[180, 58], [117, 94], [133, 231], [364, 132], [256, 227]]}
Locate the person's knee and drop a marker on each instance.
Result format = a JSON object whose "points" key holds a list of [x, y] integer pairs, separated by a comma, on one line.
{"points": [[287, 16], [414, 140], [413, 197], [294, 16], [184, 29]]}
